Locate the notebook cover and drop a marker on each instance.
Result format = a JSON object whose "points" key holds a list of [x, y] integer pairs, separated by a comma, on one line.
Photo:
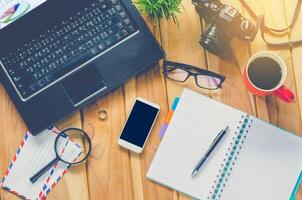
{"points": [[295, 191]]}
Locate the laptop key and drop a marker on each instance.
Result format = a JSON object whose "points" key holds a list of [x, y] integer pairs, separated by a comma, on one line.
{"points": [[24, 93], [123, 14], [114, 1], [104, 35], [120, 25], [42, 82], [102, 46], [33, 87], [111, 11], [94, 51], [118, 36], [130, 28], [118, 7], [127, 21], [20, 86], [124, 32], [16, 78], [110, 31], [49, 78], [109, 41]]}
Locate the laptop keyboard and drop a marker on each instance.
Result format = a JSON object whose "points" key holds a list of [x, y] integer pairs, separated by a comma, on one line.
{"points": [[71, 43]]}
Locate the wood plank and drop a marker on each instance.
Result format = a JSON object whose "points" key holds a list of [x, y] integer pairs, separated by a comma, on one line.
{"points": [[271, 109], [12, 129], [233, 92], [149, 86], [74, 184], [181, 44], [108, 168], [297, 51], [129, 97], [296, 57], [241, 53], [260, 102]]}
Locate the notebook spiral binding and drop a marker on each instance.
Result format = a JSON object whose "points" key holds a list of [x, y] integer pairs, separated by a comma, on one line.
{"points": [[231, 157]]}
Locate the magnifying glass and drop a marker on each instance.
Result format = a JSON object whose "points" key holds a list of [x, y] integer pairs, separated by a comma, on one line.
{"points": [[72, 146]]}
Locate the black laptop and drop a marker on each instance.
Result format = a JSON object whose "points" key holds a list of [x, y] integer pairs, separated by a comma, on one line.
{"points": [[58, 55]]}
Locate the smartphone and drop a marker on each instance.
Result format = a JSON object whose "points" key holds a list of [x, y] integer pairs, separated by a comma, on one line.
{"points": [[139, 125]]}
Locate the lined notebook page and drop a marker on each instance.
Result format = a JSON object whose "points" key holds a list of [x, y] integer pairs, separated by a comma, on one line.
{"points": [[195, 123], [268, 165]]}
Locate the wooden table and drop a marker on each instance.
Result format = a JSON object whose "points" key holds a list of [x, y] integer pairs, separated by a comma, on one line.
{"points": [[114, 173]]}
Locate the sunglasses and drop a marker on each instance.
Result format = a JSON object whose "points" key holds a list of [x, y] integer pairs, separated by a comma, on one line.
{"points": [[203, 78]]}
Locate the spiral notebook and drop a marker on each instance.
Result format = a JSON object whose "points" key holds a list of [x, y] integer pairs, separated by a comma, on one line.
{"points": [[255, 160]]}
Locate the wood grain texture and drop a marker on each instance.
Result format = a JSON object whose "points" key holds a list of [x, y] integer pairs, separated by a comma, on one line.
{"points": [[149, 86], [147, 189], [233, 92], [181, 45], [296, 52], [12, 130], [115, 173], [287, 116], [74, 184], [108, 168], [270, 108]]}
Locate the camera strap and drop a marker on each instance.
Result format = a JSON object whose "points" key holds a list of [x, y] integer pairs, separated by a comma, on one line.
{"points": [[265, 29]]}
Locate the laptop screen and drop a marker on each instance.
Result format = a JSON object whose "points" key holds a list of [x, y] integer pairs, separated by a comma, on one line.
{"points": [[11, 10]]}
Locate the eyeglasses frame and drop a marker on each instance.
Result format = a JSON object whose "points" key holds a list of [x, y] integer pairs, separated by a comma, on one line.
{"points": [[192, 71]]}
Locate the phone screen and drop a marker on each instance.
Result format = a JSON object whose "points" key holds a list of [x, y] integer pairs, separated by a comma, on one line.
{"points": [[139, 123]]}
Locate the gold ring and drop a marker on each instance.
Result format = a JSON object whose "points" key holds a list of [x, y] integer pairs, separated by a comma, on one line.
{"points": [[102, 114]]}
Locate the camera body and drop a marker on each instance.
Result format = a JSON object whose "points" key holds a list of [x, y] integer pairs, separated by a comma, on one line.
{"points": [[224, 22]]}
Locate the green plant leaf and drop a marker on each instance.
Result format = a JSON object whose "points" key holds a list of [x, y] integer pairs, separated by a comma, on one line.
{"points": [[158, 9]]}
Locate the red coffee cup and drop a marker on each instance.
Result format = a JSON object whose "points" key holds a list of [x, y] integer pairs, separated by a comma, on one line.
{"points": [[265, 74]]}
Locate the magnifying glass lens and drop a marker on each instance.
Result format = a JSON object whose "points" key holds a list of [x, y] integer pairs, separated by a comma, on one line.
{"points": [[72, 146]]}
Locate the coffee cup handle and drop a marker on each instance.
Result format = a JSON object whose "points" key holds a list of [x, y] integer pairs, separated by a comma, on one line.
{"points": [[285, 94]]}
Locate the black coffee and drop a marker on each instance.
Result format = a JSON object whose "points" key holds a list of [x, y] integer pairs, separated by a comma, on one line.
{"points": [[265, 73]]}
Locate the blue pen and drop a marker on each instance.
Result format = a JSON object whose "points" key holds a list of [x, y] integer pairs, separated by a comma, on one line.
{"points": [[216, 141]]}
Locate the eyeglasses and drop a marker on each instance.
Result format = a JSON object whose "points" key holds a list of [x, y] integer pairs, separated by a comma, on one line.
{"points": [[181, 72]]}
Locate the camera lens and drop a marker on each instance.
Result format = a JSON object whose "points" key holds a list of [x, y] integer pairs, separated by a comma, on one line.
{"points": [[215, 40]]}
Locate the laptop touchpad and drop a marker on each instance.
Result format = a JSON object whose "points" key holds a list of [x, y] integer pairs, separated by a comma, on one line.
{"points": [[83, 84]]}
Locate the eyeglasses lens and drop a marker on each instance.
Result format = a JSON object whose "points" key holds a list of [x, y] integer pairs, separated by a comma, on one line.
{"points": [[178, 74], [209, 82]]}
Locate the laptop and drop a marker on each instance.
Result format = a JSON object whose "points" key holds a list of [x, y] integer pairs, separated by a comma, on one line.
{"points": [[57, 56]]}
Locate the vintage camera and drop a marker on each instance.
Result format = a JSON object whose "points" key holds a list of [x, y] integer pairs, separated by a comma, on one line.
{"points": [[224, 22]]}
